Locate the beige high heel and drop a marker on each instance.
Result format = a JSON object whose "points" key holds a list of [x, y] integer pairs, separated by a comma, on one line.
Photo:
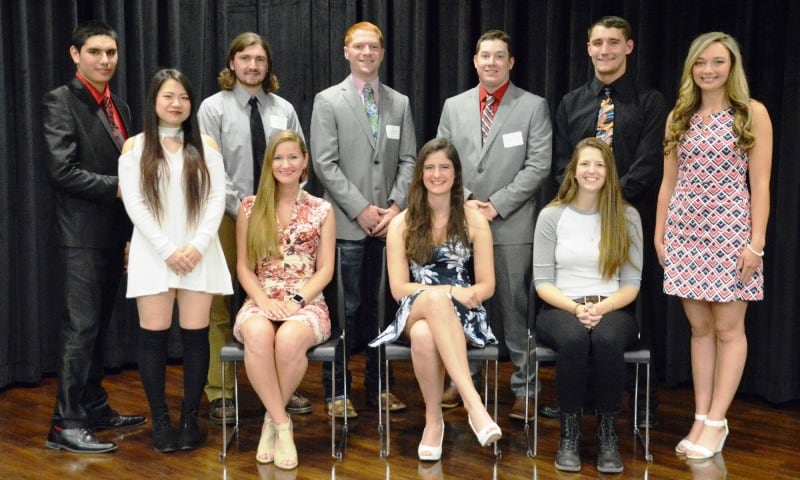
{"points": [[285, 450], [685, 445], [266, 444]]}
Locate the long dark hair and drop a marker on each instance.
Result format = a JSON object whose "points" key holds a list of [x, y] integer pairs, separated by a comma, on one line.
{"points": [[196, 181], [419, 217]]}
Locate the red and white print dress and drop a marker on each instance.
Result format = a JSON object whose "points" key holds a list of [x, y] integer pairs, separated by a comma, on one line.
{"points": [[708, 220]]}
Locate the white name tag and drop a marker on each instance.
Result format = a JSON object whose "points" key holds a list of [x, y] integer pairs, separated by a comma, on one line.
{"points": [[393, 132], [512, 139], [277, 122]]}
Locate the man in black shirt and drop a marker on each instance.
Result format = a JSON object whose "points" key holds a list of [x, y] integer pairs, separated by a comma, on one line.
{"points": [[639, 114]]}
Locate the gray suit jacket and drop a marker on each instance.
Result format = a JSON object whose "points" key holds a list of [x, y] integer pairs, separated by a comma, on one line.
{"points": [[355, 169], [512, 164]]}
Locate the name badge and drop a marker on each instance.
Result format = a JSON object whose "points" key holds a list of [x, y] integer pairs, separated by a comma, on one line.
{"points": [[277, 122], [393, 132], [512, 139]]}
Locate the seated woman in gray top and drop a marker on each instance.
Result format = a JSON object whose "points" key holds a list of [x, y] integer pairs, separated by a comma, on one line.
{"points": [[587, 264]]}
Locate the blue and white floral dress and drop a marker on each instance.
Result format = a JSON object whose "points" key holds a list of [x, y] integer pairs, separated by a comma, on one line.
{"points": [[449, 267]]}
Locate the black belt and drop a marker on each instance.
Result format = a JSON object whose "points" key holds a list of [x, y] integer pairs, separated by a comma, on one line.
{"points": [[589, 299]]}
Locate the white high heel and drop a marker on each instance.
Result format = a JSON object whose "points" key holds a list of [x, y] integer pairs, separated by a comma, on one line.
{"points": [[430, 453], [699, 452], [685, 445], [488, 434]]}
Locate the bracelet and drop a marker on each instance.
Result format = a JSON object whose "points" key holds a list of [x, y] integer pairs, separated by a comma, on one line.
{"points": [[759, 254]]}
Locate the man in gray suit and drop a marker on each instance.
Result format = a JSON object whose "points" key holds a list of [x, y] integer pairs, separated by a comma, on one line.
{"points": [[503, 136], [363, 147]]}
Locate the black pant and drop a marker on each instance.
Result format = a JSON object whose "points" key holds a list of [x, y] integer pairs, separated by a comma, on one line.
{"points": [[360, 263], [91, 278], [588, 358]]}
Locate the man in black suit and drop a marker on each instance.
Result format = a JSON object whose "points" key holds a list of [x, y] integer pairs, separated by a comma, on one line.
{"points": [[84, 129]]}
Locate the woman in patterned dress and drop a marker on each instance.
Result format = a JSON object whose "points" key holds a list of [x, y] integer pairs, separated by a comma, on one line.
{"points": [[710, 228], [285, 241], [440, 309]]}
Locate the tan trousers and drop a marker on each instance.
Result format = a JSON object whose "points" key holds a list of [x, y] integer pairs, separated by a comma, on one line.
{"points": [[219, 328]]}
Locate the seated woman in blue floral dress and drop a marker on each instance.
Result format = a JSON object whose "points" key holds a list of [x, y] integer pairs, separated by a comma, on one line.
{"points": [[440, 310]]}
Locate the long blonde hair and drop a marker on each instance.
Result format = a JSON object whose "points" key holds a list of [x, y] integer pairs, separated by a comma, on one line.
{"points": [[262, 226], [737, 93], [615, 241]]}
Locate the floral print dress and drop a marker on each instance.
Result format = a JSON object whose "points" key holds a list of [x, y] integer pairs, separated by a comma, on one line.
{"points": [[448, 267], [281, 278]]}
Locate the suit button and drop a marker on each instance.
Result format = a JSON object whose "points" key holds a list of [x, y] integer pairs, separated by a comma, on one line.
{"points": [[480, 169], [377, 162]]}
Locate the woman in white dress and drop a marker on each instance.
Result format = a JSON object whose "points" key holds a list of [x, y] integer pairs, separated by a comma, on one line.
{"points": [[173, 186]]}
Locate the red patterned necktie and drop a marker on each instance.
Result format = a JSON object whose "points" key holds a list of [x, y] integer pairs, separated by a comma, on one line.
{"points": [[108, 109], [605, 118], [487, 117]]}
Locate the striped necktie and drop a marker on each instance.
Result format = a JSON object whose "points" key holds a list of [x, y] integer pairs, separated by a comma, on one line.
{"points": [[487, 117], [605, 118]]}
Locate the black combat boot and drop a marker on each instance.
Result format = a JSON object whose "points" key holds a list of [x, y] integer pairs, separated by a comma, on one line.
{"points": [[568, 457], [608, 458]]}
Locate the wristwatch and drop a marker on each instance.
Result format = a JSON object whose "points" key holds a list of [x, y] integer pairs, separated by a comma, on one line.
{"points": [[297, 298]]}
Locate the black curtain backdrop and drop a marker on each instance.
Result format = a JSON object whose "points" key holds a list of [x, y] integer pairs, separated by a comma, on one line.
{"points": [[429, 48]]}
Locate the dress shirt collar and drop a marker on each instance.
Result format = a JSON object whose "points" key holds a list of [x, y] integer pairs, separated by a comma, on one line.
{"points": [[359, 84], [621, 87], [497, 94], [96, 94], [243, 96]]}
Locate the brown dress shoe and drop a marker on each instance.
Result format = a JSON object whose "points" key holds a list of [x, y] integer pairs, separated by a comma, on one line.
{"points": [[298, 404], [339, 406], [395, 404], [216, 407], [518, 410], [451, 398]]}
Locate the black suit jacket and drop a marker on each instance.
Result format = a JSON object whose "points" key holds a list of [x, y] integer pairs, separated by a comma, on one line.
{"points": [[81, 160]]}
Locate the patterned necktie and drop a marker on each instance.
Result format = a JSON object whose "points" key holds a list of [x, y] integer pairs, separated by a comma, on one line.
{"points": [[487, 117], [258, 140], [605, 118], [372, 109], [108, 109]]}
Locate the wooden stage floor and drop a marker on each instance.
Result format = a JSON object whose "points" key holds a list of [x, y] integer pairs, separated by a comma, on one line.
{"points": [[764, 440]]}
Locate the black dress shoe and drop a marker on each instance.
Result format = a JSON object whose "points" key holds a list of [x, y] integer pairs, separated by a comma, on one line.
{"points": [[114, 420], [77, 440], [550, 411], [645, 421], [189, 437]]}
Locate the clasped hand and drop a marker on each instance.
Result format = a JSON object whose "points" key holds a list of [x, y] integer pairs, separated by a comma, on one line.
{"points": [[375, 220], [466, 296], [278, 310], [588, 315], [183, 260]]}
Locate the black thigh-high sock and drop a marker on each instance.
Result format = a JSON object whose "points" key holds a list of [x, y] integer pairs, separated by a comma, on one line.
{"points": [[152, 368], [195, 366]]}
